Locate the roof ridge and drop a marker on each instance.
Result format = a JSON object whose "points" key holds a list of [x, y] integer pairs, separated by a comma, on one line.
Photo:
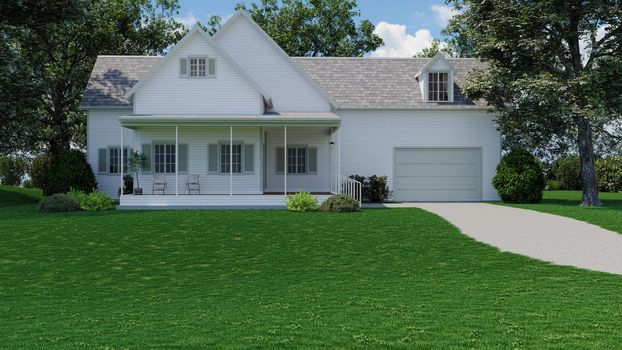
{"points": [[379, 58], [142, 56]]}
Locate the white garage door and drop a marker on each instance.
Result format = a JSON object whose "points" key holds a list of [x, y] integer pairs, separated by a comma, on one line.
{"points": [[437, 174]]}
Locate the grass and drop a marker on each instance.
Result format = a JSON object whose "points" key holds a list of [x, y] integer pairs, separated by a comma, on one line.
{"points": [[566, 203], [382, 279]]}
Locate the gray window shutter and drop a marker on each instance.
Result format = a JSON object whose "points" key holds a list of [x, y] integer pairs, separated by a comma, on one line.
{"points": [[212, 158], [147, 152], [211, 66], [249, 158], [183, 159], [312, 159], [102, 166], [183, 67], [280, 162]]}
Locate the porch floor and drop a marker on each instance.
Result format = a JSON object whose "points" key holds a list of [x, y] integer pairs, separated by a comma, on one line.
{"points": [[213, 201]]}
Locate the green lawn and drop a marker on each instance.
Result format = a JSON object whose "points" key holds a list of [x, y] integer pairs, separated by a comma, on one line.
{"points": [[384, 278], [566, 203]]}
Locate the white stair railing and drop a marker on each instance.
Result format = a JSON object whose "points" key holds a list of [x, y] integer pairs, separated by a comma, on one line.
{"points": [[349, 187]]}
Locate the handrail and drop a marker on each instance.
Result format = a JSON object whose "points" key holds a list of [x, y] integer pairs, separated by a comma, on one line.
{"points": [[349, 187]]}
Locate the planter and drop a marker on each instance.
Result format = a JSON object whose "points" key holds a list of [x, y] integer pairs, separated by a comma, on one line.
{"points": [[138, 191]]}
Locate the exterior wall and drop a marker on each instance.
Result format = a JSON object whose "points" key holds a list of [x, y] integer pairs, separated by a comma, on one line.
{"points": [[289, 88], [197, 139], [228, 93], [104, 130], [368, 139], [311, 137]]}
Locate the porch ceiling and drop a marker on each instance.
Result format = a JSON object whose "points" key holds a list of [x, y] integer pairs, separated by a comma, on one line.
{"points": [[268, 119]]}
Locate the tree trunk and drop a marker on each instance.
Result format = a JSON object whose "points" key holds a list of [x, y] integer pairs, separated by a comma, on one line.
{"points": [[586, 155]]}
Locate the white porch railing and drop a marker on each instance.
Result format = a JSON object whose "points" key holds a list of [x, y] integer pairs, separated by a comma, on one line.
{"points": [[349, 187]]}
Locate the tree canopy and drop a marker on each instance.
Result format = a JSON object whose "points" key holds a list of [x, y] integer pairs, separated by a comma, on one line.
{"points": [[554, 71]]}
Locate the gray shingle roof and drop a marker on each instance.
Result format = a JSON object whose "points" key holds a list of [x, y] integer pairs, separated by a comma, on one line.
{"points": [[112, 77], [375, 83], [379, 83]]}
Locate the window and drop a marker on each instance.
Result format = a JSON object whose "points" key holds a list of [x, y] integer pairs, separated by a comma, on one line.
{"points": [[226, 161], [296, 160], [164, 158], [197, 67], [114, 155], [438, 87]]}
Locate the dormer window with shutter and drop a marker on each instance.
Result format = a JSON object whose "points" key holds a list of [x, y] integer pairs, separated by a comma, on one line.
{"points": [[197, 67]]}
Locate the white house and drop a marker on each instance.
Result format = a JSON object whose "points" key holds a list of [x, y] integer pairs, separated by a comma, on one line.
{"points": [[251, 123]]}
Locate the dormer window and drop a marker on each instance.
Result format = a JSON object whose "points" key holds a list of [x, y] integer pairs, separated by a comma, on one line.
{"points": [[438, 87]]}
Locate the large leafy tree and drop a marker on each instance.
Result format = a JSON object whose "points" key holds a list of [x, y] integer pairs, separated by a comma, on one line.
{"points": [[48, 49], [315, 27], [554, 70]]}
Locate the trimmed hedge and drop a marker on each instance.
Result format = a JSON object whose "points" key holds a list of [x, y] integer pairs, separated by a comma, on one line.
{"points": [[519, 178], [340, 203], [68, 170], [58, 203], [567, 170]]}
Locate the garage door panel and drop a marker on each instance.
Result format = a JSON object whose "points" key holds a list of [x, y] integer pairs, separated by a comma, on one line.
{"points": [[436, 169], [442, 174]]}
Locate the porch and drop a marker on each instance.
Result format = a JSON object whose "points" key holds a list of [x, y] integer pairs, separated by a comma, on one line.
{"points": [[240, 201]]}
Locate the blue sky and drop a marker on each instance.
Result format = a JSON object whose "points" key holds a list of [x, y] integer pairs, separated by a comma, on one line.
{"points": [[407, 26]]}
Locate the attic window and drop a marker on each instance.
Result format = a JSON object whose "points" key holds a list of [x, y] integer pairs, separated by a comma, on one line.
{"points": [[438, 87], [197, 67]]}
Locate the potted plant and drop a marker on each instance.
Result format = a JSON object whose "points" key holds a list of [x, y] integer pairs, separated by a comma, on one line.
{"points": [[136, 164]]}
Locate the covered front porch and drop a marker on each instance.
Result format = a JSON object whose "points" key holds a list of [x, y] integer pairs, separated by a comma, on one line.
{"points": [[231, 161]]}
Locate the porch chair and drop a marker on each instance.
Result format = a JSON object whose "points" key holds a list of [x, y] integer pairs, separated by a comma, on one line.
{"points": [[159, 183], [193, 184]]}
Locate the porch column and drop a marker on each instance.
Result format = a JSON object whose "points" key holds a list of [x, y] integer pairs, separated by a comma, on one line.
{"points": [[176, 160], [285, 162], [121, 161], [339, 160], [231, 160]]}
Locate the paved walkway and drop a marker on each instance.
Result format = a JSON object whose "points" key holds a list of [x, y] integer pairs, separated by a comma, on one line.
{"points": [[556, 239]]}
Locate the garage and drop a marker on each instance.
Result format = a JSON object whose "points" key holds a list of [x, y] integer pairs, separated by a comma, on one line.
{"points": [[437, 174]]}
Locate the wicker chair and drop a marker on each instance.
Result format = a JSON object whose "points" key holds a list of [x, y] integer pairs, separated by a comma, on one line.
{"points": [[159, 184]]}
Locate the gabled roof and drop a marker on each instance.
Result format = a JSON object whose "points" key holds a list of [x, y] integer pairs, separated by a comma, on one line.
{"points": [[197, 30], [438, 57], [384, 83]]}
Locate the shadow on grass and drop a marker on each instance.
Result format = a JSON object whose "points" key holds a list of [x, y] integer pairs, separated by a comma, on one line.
{"points": [[10, 196]]}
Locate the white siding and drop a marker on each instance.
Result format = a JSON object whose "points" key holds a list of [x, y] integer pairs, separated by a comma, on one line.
{"points": [[368, 139], [311, 137], [197, 139], [290, 89], [167, 93], [104, 130]]}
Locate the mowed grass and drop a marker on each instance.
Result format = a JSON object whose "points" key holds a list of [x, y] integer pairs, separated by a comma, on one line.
{"points": [[566, 203], [379, 279]]}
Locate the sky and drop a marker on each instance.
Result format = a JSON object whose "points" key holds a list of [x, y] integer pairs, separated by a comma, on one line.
{"points": [[406, 26]]}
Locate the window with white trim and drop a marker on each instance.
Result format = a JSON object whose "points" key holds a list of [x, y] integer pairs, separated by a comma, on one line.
{"points": [[227, 159], [296, 160], [197, 67], [164, 158], [438, 86], [114, 155]]}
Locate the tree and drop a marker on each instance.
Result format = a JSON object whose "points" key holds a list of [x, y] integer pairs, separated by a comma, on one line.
{"points": [[52, 46], [435, 47], [315, 27], [545, 87]]}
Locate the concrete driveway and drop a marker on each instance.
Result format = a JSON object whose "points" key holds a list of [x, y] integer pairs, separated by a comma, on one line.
{"points": [[556, 239]]}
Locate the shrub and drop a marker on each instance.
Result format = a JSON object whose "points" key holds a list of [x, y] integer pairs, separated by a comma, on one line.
{"points": [[567, 170], [38, 170], [609, 174], [301, 201], [28, 183], [67, 170], [12, 170], [340, 203], [519, 178], [94, 201], [58, 203], [553, 185], [375, 188]]}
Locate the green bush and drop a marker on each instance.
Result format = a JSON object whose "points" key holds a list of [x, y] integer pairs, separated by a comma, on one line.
{"points": [[12, 170], [94, 201], [567, 170], [553, 185], [301, 201], [67, 170], [609, 174], [38, 170], [340, 203], [28, 183], [519, 178], [58, 203], [374, 189]]}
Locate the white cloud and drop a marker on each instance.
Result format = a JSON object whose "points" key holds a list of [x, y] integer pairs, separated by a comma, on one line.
{"points": [[397, 43], [443, 14], [188, 21]]}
